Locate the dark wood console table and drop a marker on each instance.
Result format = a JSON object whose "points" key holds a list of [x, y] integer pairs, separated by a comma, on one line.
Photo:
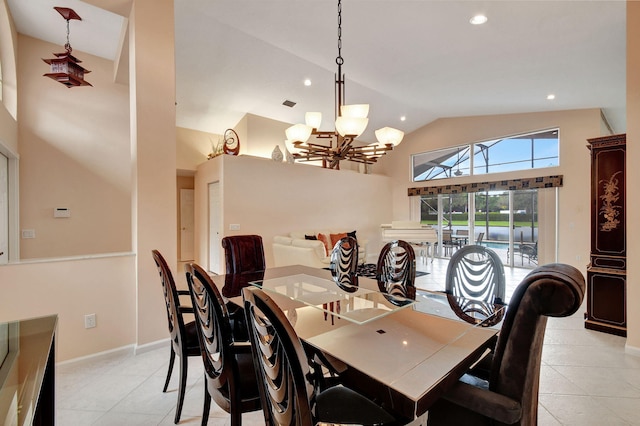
{"points": [[27, 371]]}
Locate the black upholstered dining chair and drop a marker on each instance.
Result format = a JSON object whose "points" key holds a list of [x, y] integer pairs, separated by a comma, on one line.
{"points": [[288, 394], [230, 377], [243, 253], [344, 263], [510, 395], [184, 340], [396, 269]]}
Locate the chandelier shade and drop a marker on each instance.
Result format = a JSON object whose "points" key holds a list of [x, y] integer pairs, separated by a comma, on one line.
{"points": [[355, 111], [351, 126], [299, 133], [389, 135], [313, 119], [351, 121]]}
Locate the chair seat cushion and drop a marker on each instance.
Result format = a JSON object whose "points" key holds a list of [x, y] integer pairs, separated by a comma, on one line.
{"points": [[343, 405], [248, 381], [191, 339]]}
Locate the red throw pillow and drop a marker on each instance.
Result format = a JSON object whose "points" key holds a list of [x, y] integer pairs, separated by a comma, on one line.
{"points": [[336, 237], [326, 242]]}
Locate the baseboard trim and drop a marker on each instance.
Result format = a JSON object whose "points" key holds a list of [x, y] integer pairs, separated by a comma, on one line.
{"points": [[147, 347], [632, 350], [124, 350], [131, 349]]}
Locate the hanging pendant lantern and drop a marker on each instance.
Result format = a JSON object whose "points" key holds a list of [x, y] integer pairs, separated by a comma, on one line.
{"points": [[65, 67]]}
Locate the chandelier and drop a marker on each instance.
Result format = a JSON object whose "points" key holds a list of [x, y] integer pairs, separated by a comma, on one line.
{"points": [[65, 67], [350, 123]]}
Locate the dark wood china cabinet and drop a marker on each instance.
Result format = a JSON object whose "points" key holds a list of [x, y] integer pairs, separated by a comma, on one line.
{"points": [[607, 270]]}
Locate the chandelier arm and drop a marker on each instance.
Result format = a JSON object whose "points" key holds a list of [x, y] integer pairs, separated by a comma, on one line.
{"points": [[351, 125]]}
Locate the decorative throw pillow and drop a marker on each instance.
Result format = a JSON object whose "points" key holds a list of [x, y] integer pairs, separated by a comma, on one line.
{"points": [[336, 237], [326, 242], [310, 237]]}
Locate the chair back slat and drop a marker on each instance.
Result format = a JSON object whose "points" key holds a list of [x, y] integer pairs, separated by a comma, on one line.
{"points": [[396, 269]]}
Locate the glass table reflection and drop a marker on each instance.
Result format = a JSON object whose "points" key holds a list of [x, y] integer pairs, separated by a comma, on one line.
{"points": [[355, 304]]}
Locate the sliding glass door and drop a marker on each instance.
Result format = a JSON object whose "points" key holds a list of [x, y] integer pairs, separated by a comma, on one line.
{"points": [[505, 221]]}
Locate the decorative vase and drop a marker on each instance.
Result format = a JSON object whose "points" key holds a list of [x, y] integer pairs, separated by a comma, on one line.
{"points": [[276, 154], [288, 156]]}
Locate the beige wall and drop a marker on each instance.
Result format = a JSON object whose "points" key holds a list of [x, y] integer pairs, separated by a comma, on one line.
{"points": [[192, 147], [270, 198], [575, 127], [153, 142], [633, 175], [72, 288], [74, 153], [8, 47]]}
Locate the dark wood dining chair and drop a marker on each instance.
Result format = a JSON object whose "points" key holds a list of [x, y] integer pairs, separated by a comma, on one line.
{"points": [[510, 395], [230, 377], [396, 269], [477, 273], [243, 253], [184, 340], [344, 263], [289, 395]]}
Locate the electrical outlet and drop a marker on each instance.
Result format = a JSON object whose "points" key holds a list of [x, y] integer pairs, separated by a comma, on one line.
{"points": [[89, 320]]}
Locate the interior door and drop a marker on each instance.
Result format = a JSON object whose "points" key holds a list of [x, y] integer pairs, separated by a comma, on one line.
{"points": [[4, 210], [187, 219], [215, 227]]}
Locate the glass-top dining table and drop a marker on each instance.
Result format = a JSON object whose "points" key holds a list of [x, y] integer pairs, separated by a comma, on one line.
{"points": [[402, 353]]}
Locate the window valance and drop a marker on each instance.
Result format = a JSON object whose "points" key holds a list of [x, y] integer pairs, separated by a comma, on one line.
{"points": [[499, 185]]}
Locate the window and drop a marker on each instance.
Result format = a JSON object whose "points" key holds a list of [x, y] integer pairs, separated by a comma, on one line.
{"points": [[527, 151]]}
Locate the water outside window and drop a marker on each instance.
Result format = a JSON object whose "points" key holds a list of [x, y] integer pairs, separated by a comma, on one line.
{"points": [[495, 214]]}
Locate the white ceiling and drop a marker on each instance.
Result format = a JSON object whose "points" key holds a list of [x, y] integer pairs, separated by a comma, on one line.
{"points": [[415, 58]]}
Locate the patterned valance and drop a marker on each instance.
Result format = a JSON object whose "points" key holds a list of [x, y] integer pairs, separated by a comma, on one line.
{"points": [[499, 185]]}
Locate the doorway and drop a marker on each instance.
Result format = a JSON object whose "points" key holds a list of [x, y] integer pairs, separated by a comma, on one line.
{"points": [[215, 227]]}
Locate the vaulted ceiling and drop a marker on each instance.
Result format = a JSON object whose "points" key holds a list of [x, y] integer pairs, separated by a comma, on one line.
{"points": [[421, 60]]}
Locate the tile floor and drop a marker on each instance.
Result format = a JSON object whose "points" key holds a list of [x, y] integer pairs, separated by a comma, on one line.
{"points": [[586, 379]]}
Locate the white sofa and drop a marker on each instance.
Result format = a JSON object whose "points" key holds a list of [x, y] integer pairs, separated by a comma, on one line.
{"points": [[295, 249]]}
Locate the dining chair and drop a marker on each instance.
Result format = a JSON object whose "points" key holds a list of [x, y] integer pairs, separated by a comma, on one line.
{"points": [[230, 377], [243, 253], [480, 238], [396, 269], [477, 273], [510, 395], [288, 393], [344, 263], [184, 339], [447, 242]]}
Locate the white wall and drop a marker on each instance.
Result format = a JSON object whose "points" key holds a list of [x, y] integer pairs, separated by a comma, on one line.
{"points": [[269, 198]]}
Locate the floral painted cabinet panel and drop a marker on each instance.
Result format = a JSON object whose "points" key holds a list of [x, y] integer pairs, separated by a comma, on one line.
{"points": [[606, 274]]}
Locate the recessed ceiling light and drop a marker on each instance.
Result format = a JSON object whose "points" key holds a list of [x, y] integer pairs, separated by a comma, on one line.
{"points": [[307, 82], [551, 96], [403, 118], [478, 20]]}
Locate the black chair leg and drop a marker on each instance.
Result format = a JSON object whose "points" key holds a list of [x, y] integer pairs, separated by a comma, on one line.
{"points": [[207, 406], [172, 358], [184, 363]]}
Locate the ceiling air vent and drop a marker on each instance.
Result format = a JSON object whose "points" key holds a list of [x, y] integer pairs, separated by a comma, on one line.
{"points": [[289, 103]]}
